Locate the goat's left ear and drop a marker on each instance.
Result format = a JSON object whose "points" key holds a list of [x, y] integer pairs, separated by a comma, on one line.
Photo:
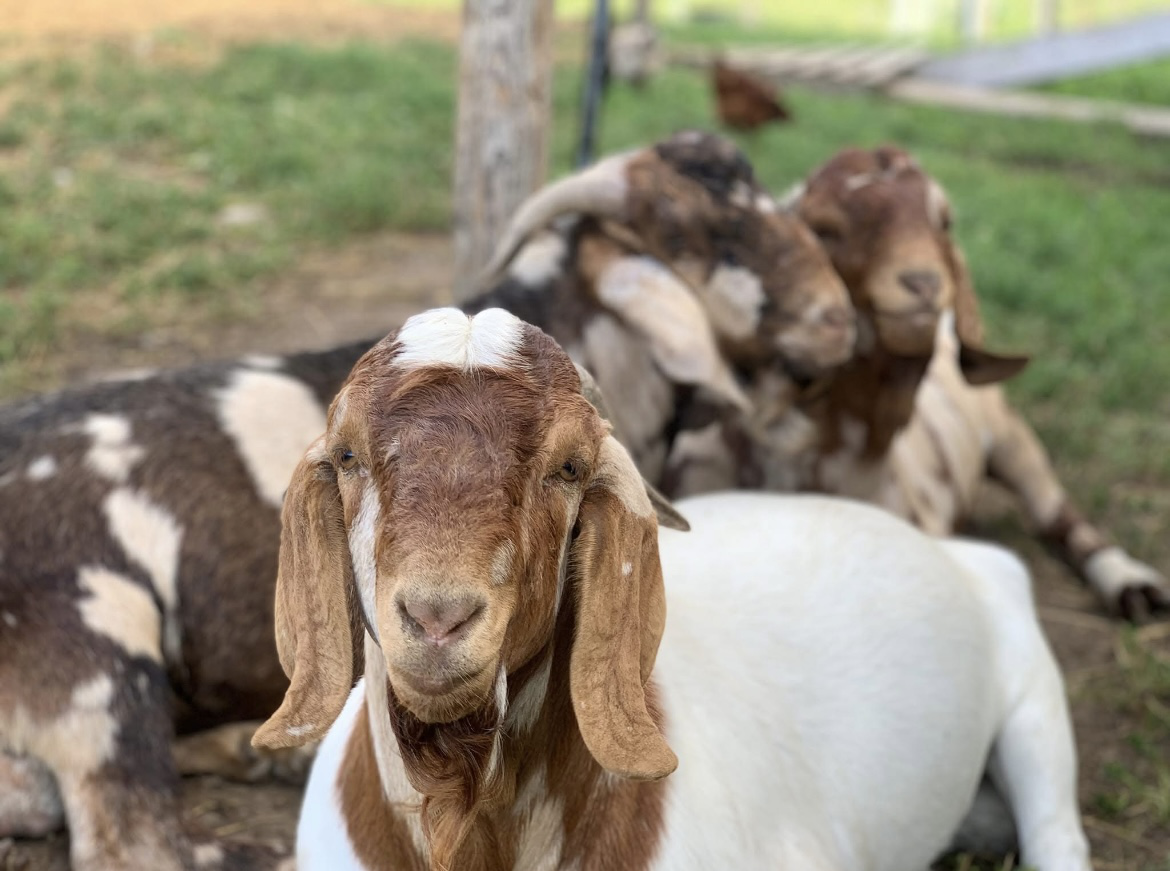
{"points": [[977, 365], [621, 613], [982, 367]]}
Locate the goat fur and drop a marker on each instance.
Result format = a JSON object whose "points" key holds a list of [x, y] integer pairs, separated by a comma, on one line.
{"points": [[833, 681]]}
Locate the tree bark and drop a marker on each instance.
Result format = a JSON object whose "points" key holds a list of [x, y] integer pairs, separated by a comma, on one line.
{"points": [[501, 139]]}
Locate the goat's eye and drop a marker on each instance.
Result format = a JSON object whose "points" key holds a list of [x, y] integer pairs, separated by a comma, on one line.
{"points": [[827, 233], [569, 471], [945, 220], [345, 459]]}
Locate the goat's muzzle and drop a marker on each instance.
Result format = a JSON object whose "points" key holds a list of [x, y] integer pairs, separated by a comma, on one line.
{"points": [[442, 647]]}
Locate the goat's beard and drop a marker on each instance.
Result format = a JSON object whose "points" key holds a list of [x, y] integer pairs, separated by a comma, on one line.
{"points": [[456, 768]]}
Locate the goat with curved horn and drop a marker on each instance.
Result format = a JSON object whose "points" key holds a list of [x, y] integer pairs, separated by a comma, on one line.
{"points": [[598, 190]]}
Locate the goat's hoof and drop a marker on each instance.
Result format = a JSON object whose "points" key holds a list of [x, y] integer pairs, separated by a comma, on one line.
{"points": [[1139, 604]]}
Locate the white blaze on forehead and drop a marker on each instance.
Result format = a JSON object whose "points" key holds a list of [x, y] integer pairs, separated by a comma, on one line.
{"points": [[362, 539], [151, 538], [41, 468], [112, 455], [448, 337], [121, 610], [734, 296], [539, 260], [272, 419], [741, 195]]}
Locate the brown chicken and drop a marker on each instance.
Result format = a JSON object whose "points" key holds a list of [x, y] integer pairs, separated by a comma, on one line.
{"points": [[745, 102]]}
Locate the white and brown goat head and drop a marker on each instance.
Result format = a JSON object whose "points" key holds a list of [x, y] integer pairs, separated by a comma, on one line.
{"points": [[692, 203], [886, 224], [464, 491]]}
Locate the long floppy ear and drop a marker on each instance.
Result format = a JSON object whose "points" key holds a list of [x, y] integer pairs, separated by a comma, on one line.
{"points": [[621, 613], [317, 621], [651, 299], [667, 514], [977, 365]]}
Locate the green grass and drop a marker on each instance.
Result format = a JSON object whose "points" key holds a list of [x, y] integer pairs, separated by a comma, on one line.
{"points": [[120, 167], [1136, 790], [851, 19], [1138, 83]]}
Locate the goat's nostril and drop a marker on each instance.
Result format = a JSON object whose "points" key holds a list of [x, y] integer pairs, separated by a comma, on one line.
{"points": [[439, 621], [924, 283], [838, 317]]}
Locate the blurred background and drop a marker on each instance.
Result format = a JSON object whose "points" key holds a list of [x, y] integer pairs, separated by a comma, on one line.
{"points": [[181, 182]]}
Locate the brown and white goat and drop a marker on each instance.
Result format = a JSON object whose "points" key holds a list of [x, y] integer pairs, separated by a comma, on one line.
{"points": [[469, 543], [670, 273], [913, 422], [139, 519]]}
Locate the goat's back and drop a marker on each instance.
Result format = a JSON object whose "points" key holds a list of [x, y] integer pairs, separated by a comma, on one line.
{"points": [[169, 483], [821, 654]]}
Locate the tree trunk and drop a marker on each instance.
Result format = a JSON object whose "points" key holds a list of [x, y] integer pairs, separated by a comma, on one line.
{"points": [[501, 141]]}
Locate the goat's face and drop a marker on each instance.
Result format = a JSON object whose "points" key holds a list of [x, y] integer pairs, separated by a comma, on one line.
{"points": [[886, 225], [767, 285], [464, 480]]}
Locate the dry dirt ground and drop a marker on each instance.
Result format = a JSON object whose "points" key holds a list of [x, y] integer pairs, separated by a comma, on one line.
{"points": [[367, 287]]}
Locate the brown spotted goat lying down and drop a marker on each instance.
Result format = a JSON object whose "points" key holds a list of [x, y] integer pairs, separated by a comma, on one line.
{"points": [[139, 520], [503, 654], [913, 421]]}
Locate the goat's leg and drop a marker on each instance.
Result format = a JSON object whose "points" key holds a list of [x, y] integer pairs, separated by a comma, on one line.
{"points": [[110, 751], [227, 751], [30, 806], [1034, 765], [1019, 460]]}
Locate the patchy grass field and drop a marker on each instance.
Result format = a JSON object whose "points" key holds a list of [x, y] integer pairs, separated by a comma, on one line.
{"points": [[188, 186]]}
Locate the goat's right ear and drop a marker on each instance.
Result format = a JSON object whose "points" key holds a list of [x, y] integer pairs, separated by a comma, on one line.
{"points": [[317, 621]]}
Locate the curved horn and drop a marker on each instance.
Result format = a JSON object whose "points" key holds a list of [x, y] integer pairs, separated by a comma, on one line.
{"points": [[668, 515], [599, 190]]}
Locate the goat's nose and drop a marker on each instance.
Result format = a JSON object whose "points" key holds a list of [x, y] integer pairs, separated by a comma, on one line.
{"points": [[924, 283], [839, 316], [440, 621]]}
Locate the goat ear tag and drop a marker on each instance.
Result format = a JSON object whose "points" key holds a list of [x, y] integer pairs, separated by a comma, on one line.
{"points": [[981, 367]]}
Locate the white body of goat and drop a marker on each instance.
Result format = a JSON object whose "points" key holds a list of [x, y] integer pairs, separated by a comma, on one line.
{"points": [[835, 684]]}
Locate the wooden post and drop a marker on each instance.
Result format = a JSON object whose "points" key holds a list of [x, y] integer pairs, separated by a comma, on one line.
{"points": [[501, 140], [971, 20], [1047, 16]]}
